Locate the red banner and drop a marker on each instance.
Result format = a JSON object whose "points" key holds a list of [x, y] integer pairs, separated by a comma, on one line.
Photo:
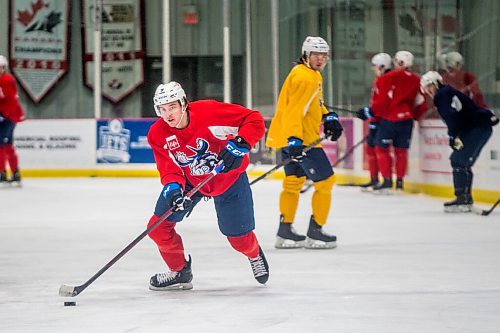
{"points": [[38, 43], [122, 51]]}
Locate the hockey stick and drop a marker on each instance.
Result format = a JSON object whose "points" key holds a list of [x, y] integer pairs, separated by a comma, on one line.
{"points": [[285, 162], [347, 153], [71, 291], [486, 212], [334, 108]]}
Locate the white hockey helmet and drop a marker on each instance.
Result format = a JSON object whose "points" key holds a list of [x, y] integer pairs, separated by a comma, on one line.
{"points": [[404, 58], [382, 60], [314, 44], [454, 60], [3, 61], [167, 93], [431, 77]]}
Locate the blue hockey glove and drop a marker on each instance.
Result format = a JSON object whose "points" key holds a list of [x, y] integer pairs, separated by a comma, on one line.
{"points": [[1, 119], [455, 143], [331, 126], [364, 113], [172, 192], [233, 154], [296, 149]]}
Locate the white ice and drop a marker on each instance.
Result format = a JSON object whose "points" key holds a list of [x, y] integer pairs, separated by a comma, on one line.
{"points": [[402, 265]]}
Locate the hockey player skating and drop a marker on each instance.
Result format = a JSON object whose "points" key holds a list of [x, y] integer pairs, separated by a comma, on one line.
{"points": [[188, 141], [296, 124], [458, 78], [397, 103], [10, 114], [381, 64], [469, 129]]}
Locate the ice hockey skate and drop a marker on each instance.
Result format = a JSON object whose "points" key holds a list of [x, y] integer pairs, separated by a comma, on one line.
{"points": [[287, 237], [16, 179], [317, 239], [384, 188], [4, 182], [260, 268], [368, 187], [180, 280], [462, 204]]}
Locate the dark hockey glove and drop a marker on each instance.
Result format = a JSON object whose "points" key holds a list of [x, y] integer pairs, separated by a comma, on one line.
{"points": [[455, 143], [331, 126], [172, 192], [296, 149], [232, 155], [364, 113]]}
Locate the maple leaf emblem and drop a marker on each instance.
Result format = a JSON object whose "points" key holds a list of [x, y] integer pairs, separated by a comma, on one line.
{"points": [[25, 16]]}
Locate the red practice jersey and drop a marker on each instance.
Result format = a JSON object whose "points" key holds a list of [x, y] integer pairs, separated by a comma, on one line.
{"points": [[191, 153], [466, 83], [9, 100], [398, 97]]}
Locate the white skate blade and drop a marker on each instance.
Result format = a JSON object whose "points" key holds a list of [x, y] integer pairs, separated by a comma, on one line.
{"points": [[385, 191], [174, 287], [283, 243], [458, 209], [317, 244]]}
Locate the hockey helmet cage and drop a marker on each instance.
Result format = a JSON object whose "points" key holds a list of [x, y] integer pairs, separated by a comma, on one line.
{"points": [[431, 77], [454, 60], [314, 44], [3, 61], [404, 57], [382, 60], [167, 93]]}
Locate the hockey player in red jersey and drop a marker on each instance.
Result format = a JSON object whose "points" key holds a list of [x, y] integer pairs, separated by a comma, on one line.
{"points": [[188, 141], [456, 77], [10, 114], [381, 64], [397, 104]]}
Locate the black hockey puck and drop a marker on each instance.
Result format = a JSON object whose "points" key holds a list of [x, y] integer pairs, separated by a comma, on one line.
{"points": [[69, 303]]}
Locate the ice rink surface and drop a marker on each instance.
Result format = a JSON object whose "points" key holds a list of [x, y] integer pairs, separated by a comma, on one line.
{"points": [[402, 265]]}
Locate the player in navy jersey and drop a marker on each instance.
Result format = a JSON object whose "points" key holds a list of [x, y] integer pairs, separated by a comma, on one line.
{"points": [[469, 129], [188, 141]]}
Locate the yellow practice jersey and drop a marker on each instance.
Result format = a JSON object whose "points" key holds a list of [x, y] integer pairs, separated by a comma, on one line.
{"points": [[300, 108]]}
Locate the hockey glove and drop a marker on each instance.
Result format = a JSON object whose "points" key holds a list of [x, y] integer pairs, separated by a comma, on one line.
{"points": [[172, 192], [455, 143], [1, 119], [296, 149], [364, 113], [232, 155], [331, 126]]}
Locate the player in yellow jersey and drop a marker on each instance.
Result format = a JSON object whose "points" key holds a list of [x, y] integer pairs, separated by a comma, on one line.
{"points": [[296, 124]]}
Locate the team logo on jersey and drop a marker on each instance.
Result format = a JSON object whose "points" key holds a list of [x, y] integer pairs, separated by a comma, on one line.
{"points": [[172, 143], [201, 162]]}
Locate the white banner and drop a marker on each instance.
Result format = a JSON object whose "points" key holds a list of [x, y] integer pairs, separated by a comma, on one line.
{"points": [[122, 49], [39, 44], [56, 143], [434, 148]]}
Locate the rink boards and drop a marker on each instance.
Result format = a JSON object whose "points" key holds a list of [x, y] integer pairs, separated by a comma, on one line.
{"points": [[119, 148]]}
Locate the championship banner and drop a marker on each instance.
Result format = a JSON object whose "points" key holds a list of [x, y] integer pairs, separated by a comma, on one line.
{"points": [[122, 47], [38, 43]]}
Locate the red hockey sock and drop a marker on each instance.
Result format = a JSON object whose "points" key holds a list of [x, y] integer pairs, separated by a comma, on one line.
{"points": [[401, 155], [384, 160], [372, 162], [3, 158], [169, 243], [11, 157], [246, 244]]}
